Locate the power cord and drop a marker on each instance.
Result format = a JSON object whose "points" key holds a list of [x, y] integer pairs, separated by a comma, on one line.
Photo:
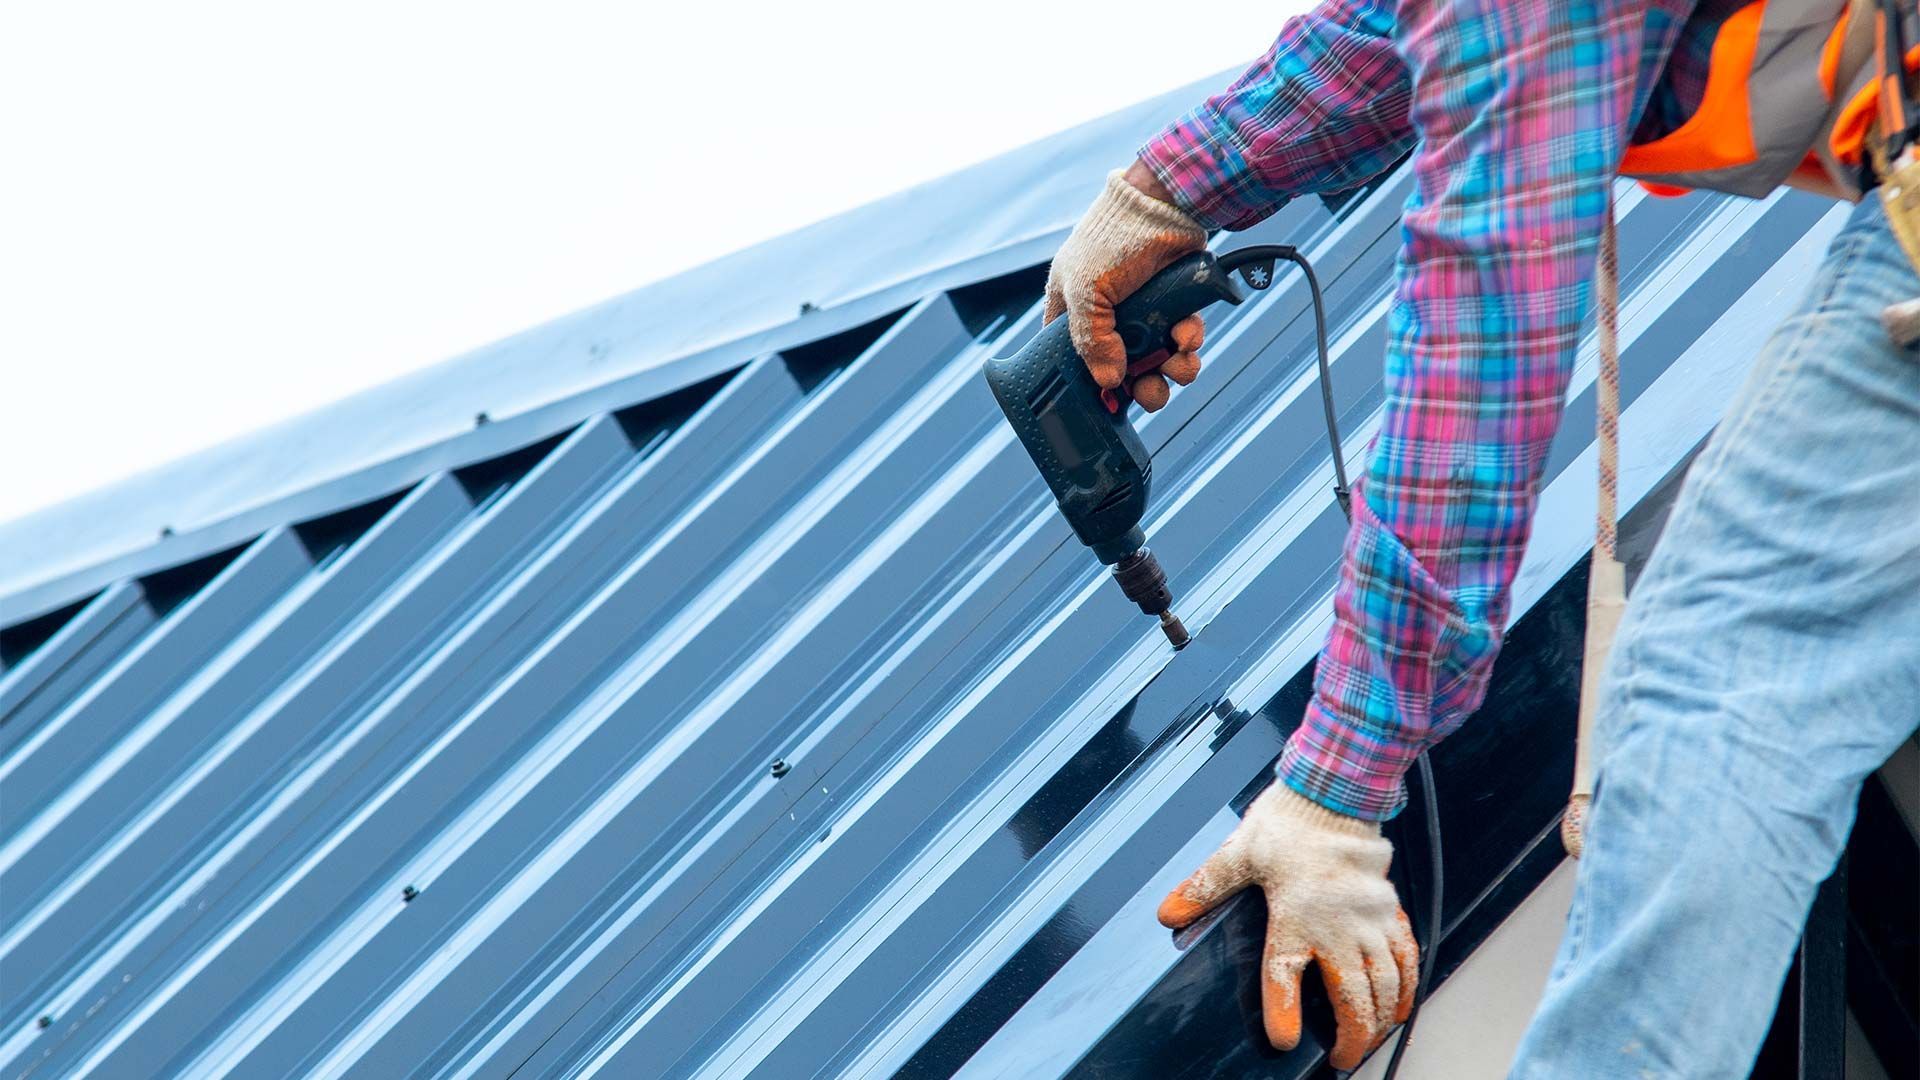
{"points": [[1255, 265], [1430, 938]]}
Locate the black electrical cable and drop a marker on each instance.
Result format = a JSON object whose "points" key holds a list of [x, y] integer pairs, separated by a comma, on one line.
{"points": [[1340, 489], [1430, 805], [1246, 259], [1265, 254]]}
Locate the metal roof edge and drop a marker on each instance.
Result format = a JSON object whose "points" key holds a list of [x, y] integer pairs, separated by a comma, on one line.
{"points": [[998, 216]]}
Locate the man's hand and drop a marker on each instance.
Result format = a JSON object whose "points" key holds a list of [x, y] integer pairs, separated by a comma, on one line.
{"points": [[1131, 232], [1328, 901]]}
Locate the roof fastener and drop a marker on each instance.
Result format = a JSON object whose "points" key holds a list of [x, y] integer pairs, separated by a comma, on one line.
{"points": [[44, 1022], [407, 893], [781, 768]]}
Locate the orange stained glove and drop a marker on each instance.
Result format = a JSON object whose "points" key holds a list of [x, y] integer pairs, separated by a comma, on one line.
{"points": [[1329, 902], [1124, 238]]}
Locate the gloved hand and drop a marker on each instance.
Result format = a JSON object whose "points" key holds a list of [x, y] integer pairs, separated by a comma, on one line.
{"points": [[1328, 901], [1124, 238]]}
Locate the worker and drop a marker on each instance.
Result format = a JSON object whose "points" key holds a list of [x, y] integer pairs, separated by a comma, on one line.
{"points": [[1770, 657]]}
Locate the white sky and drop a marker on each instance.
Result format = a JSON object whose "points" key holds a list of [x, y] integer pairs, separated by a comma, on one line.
{"points": [[214, 216]]}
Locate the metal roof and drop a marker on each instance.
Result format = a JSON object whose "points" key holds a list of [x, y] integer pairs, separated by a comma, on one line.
{"points": [[776, 726]]}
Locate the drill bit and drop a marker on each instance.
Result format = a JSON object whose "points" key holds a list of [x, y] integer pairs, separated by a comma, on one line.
{"points": [[1175, 630]]}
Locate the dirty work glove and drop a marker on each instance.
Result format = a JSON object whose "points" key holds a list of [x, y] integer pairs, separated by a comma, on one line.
{"points": [[1125, 238], [1328, 901]]}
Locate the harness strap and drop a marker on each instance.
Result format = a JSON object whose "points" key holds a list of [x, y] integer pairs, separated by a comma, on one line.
{"points": [[1606, 581], [1606, 291]]}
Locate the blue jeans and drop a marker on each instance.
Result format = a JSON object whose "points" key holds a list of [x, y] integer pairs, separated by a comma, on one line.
{"points": [[1769, 659]]}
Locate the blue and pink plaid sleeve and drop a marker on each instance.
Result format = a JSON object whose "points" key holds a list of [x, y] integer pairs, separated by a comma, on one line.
{"points": [[1325, 110], [1522, 109]]}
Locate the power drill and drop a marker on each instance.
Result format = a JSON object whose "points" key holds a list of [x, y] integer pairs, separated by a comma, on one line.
{"points": [[1080, 437]]}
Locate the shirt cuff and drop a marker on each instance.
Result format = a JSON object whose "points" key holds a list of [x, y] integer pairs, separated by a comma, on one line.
{"points": [[1327, 766], [1203, 164]]}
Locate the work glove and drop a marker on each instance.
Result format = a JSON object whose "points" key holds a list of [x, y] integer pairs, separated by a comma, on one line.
{"points": [[1329, 902], [1125, 237]]}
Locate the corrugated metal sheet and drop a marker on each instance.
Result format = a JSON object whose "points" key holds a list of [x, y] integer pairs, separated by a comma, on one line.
{"points": [[776, 728]]}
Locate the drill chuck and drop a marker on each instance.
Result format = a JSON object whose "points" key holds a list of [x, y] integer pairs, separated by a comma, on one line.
{"points": [[1145, 584]]}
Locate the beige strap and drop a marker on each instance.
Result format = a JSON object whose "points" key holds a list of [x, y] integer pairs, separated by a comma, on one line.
{"points": [[1606, 581], [1606, 295]]}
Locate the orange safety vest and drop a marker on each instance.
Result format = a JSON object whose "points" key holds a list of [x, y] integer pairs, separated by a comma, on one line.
{"points": [[1790, 99]]}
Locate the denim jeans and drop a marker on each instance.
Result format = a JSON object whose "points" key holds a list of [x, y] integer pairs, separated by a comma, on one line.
{"points": [[1769, 659]]}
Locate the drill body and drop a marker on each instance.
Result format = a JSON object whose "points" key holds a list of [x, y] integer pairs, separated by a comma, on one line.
{"points": [[1080, 438]]}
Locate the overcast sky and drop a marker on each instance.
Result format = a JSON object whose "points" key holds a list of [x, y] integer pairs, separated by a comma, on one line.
{"points": [[214, 216]]}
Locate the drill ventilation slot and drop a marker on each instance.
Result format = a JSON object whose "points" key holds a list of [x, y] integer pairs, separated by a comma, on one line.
{"points": [[1044, 395]]}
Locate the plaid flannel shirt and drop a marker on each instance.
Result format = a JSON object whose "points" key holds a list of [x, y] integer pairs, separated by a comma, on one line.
{"points": [[1516, 113]]}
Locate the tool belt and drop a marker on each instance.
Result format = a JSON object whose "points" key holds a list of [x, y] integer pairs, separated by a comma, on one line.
{"points": [[1893, 157]]}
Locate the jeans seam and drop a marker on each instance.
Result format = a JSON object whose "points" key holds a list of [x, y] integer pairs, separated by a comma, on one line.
{"points": [[1577, 924]]}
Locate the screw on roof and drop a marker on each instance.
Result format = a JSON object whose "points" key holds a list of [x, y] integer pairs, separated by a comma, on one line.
{"points": [[781, 768], [407, 893]]}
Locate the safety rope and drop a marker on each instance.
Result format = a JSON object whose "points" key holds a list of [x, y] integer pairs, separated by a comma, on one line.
{"points": [[1606, 579], [1606, 291]]}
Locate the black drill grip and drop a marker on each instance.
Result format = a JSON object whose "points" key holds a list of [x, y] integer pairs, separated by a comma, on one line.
{"points": [[1145, 319]]}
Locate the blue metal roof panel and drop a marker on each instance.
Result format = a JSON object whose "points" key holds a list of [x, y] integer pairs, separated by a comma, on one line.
{"points": [[71, 659], [478, 781]]}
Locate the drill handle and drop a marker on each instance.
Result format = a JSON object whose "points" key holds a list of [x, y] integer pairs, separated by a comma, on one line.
{"points": [[1145, 320]]}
